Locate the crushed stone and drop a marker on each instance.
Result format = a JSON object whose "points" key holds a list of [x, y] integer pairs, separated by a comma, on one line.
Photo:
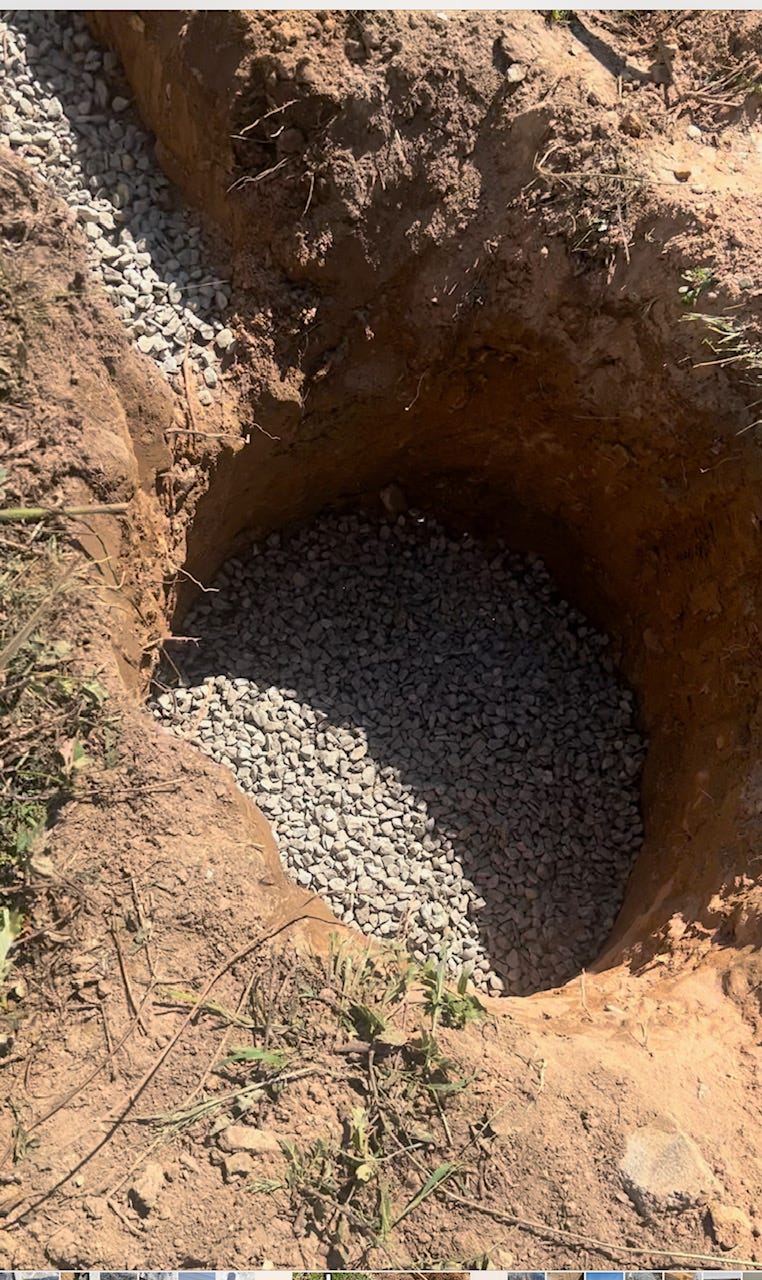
{"points": [[440, 742]]}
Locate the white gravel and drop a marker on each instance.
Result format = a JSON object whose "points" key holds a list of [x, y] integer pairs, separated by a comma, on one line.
{"points": [[442, 748], [65, 107]]}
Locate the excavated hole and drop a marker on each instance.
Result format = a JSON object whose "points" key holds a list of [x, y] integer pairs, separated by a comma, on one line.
{"points": [[659, 556], [440, 742]]}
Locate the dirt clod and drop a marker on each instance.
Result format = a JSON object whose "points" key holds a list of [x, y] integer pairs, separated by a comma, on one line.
{"points": [[730, 1226], [239, 1165], [244, 1137], [145, 1191]]}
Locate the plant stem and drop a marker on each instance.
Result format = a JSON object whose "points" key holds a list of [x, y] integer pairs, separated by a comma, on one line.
{"points": [[8, 514]]}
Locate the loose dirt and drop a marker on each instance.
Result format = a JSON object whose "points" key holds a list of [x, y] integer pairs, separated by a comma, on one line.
{"points": [[464, 277]]}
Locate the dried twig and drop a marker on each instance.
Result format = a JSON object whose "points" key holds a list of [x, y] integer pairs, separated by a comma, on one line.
{"points": [[79, 1088], [127, 984], [614, 1250], [309, 197], [134, 1093], [10, 514], [274, 112], [204, 435], [258, 177], [188, 396]]}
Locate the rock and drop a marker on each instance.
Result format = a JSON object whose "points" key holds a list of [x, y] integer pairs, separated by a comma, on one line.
{"points": [[224, 339], [502, 1126], [729, 1225], [63, 1249], [516, 73], [394, 500], [662, 1169], [145, 1190], [244, 1137], [239, 1165]]}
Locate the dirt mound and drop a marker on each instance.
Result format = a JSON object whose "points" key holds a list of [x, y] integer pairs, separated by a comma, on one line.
{"points": [[460, 243]]}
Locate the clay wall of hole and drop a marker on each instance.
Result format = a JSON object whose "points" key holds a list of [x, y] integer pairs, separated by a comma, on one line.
{"points": [[660, 555]]}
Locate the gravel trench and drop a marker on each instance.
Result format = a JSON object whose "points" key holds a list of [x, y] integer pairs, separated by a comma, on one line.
{"points": [[65, 107], [438, 739]]}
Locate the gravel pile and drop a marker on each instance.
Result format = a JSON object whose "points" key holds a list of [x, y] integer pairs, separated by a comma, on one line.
{"points": [[66, 110], [442, 748]]}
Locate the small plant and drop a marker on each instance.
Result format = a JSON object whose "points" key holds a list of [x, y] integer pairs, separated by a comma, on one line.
{"points": [[450, 1008], [368, 987], [694, 280]]}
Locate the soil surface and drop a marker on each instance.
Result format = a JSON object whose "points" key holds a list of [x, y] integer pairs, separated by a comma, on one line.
{"points": [[458, 257]]}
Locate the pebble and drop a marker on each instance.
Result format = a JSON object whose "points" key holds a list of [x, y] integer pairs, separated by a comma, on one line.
{"points": [[57, 84], [438, 739]]}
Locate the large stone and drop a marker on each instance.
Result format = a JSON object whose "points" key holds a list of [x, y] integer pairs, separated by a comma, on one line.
{"points": [[662, 1168]]}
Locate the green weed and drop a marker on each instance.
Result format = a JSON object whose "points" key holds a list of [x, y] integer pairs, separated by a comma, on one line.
{"points": [[694, 281], [450, 1008]]}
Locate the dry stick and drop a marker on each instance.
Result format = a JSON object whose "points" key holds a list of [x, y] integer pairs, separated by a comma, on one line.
{"points": [[309, 197], [145, 1079], [258, 177], [73, 1093], [239, 955], [204, 435], [625, 241], [23, 634], [109, 1041], [187, 382], [543, 1228], [127, 984], [207, 590], [222, 1045], [275, 111], [144, 925], [50, 513]]}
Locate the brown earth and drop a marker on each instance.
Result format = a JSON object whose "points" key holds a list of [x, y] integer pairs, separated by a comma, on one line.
{"points": [[457, 267]]}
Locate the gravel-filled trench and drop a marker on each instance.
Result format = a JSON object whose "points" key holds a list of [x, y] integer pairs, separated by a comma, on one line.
{"points": [[439, 740], [65, 107]]}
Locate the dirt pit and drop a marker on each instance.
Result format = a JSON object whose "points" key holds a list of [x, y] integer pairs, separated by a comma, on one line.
{"points": [[437, 738], [502, 294]]}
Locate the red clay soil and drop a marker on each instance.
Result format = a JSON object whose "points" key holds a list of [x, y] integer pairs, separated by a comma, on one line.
{"points": [[463, 277]]}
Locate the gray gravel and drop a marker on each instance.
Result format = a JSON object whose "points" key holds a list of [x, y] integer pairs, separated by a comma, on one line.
{"points": [[439, 741], [65, 107]]}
